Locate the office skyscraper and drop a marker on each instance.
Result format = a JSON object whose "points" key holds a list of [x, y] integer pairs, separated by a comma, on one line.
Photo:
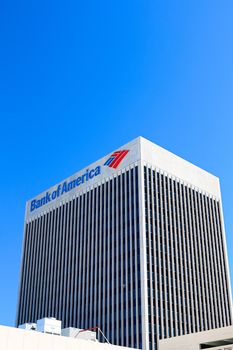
{"points": [[134, 244]]}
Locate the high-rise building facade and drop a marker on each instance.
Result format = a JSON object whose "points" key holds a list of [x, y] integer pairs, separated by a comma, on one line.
{"points": [[134, 244]]}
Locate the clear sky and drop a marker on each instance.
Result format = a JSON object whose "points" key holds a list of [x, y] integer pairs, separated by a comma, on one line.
{"points": [[80, 78]]}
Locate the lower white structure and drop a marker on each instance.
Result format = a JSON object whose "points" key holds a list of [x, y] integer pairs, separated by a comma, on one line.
{"points": [[20, 339], [216, 339]]}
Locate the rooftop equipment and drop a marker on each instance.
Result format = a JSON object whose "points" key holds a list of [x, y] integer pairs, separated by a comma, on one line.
{"points": [[79, 333], [49, 325], [28, 326]]}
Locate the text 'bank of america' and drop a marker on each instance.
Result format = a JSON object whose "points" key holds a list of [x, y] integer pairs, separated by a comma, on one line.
{"points": [[133, 244]]}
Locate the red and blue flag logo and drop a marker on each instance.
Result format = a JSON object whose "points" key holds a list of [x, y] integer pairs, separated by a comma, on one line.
{"points": [[116, 158]]}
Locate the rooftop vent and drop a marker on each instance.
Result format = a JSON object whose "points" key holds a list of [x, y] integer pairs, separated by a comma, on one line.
{"points": [[49, 325]]}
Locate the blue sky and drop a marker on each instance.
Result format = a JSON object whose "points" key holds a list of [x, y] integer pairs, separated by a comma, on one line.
{"points": [[79, 79]]}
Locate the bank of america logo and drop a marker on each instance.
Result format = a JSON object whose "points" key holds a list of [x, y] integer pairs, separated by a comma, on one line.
{"points": [[116, 158]]}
